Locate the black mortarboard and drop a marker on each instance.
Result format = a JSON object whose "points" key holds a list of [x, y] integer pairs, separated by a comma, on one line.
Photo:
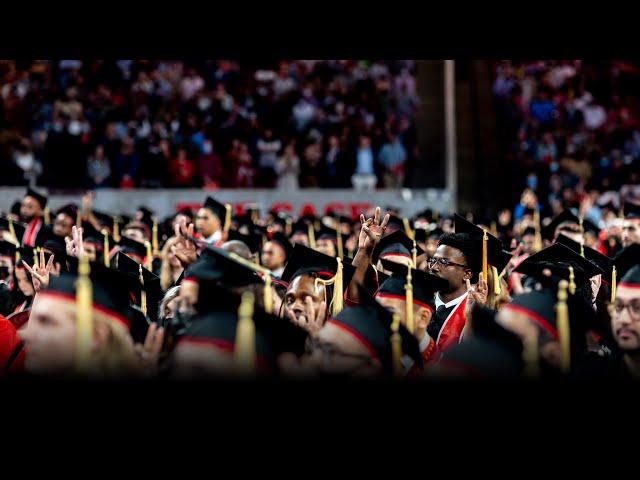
{"points": [[305, 260], [425, 285], [370, 324], [107, 220], [18, 228], [631, 210], [70, 209], [538, 305], [602, 261], [40, 198], [492, 351], [91, 235], [627, 258], [219, 209], [327, 233], [395, 244], [589, 226], [395, 223], [495, 253], [436, 233], [282, 240], [253, 241], [7, 249], [273, 335], [631, 278], [26, 254], [420, 235], [558, 258], [130, 246], [131, 271], [110, 293], [566, 217], [15, 208], [529, 231], [217, 265], [300, 226]]}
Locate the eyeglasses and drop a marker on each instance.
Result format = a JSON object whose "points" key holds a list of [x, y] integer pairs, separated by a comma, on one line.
{"points": [[633, 306], [443, 262]]}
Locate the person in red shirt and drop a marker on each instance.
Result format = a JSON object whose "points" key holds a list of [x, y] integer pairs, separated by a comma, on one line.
{"points": [[182, 170]]}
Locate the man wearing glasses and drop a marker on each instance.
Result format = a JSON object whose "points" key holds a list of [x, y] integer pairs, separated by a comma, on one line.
{"points": [[625, 323], [458, 260]]}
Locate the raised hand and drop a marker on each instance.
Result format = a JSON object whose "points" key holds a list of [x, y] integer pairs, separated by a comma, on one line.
{"points": [[74, 244], [184, 249], [312, 320], [40, 274], [372, 231], [149, 353], [477, 293]]}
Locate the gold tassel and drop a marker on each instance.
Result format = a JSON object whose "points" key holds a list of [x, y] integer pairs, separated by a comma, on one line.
{"points": [[572, 283], [245, 344], [409, 301], [116, 229], [268, 294], [339, 242], [496, 281], [143, 292], [288, 227], [414, 254], [538, 237], [18, 258], [407, 228], [154, 237], [227, 217], [582, 240], [256, 258], [105, 248], [614, 275], [312, 236], [78, 219], [338, 300], [149, 258], [47, 216], [84, 315], [12, 232], [485, 238], [562, 321], [396, 346]]}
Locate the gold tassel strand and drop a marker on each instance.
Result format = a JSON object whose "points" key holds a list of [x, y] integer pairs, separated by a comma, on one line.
{"points": [[245, 343], [562, 321]]}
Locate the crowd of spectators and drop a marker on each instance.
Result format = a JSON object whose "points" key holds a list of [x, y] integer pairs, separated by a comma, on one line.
{"points": [[212, 124], [570, 130]]}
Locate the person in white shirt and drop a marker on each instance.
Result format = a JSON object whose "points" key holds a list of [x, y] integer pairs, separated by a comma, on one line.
{"points": [[211, 220]]}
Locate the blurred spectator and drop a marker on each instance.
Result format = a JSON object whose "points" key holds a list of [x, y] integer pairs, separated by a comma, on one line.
{"points": [[209, 166], [364, 177], [393, 157], [127, 164], [98, 168], [245, 175], [268, 148], [182, 170], [288, 168]]}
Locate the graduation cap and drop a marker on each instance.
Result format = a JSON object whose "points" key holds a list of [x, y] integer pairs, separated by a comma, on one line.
{"points": [[395, 223], [396, 244], [491, 352], [566, 219], [221, 210], [631, 278], [330, 271], [371, 325], [253, 241], [147, 291], [39, 197], [7, 249], [538, 305], [602, 261], [425, 285], [217, 265], [627, 258], [220, 328], [9, 225], [110, 296], [558, 258], [70, 209], [300, 226], [132, 247], [28, 255], [496, 256], [281, 240], [631, 210]]}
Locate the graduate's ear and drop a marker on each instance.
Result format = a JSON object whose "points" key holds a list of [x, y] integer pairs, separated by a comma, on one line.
{"points": [[424, 317]]}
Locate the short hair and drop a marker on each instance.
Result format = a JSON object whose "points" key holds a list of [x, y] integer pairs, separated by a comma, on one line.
{"points": [[238, 247], [468, 246]]}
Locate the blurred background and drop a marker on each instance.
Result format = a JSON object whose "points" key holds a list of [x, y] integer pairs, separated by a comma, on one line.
{"points": [[487, 137]]}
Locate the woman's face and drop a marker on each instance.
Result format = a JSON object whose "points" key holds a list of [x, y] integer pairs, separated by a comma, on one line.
{"points": [[24, 284]]}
